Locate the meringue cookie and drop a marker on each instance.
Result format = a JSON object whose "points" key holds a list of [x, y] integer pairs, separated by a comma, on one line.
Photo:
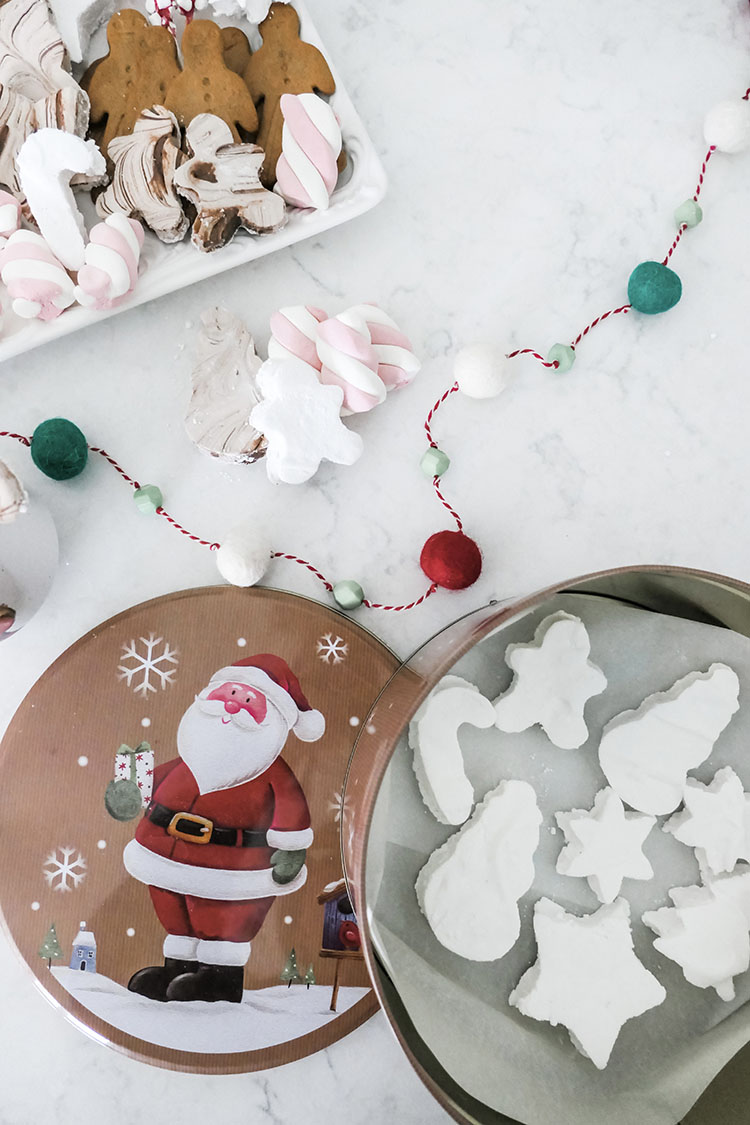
{"points": [[225, 390], [142, 185]]}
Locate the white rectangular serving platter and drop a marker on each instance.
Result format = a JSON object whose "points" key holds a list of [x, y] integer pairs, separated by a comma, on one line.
{"points": [[167, 268]]}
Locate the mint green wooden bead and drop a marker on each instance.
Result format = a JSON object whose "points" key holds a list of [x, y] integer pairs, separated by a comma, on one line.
{"points": [[434, 462], [689, 213], [563, 355], [653, 288], [148, 499], [348, 594]]}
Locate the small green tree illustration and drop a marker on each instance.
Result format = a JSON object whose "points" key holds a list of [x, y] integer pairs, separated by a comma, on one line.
{"points": [[290, 973], [50, 947], [310, 976]]}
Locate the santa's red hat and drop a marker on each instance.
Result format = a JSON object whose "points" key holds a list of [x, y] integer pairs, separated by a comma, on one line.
{"points": [[273, 676]]}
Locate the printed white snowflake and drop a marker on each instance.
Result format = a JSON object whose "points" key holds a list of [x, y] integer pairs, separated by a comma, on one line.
{"points": [[64, 869], [332, 650], [337, 806], [148, 663]]}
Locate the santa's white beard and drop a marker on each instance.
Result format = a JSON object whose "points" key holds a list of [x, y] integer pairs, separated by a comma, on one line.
{"points": [[220, 754]]}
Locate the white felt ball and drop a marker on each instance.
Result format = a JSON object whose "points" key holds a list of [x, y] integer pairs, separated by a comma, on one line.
{"points": [[727, 126], [244, 556], [482, 370]]}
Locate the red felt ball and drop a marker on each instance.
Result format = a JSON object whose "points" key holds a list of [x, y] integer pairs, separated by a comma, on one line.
{"points": [[451, 559]]}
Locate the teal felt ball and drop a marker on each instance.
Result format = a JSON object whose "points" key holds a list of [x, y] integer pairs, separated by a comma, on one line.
{"points": [[59, 449], [653, 288]]}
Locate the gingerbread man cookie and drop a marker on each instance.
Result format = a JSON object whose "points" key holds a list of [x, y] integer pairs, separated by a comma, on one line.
{"points": [[207, 85], [221, 180], [236, 49], [141, 65], [283, 65]]}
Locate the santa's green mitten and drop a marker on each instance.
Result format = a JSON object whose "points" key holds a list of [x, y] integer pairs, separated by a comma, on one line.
{"points": [[287, 865]]}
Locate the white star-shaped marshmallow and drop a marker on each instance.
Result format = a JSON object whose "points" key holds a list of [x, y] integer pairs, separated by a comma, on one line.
{"points": [[715, 821], [300, 419], [586, 976], [553, 681], [705, 933], [605, 845]]}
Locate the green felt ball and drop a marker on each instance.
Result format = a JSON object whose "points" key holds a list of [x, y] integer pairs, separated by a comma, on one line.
{"points": [[434, 462], [148, 498], [689, 213], [563, 355], [348, 594], [59, 449], [653, 288]]}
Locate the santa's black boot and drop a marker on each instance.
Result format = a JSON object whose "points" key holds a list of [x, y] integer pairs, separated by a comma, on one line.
{"points": [[154, 981], [211, 982]]}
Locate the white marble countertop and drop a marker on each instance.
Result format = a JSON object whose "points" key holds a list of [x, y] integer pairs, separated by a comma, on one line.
{"points": [[536, 151]]}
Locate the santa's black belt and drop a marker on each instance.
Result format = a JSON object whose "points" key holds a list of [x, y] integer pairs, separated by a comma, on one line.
{"points": [[197, 829]]}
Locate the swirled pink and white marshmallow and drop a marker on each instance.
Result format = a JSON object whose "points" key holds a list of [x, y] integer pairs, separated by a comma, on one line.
{"points": [[37, 282], [397, 363], [293, 334], [10, 216], [306, 172], [111, 267], [350, 361]]}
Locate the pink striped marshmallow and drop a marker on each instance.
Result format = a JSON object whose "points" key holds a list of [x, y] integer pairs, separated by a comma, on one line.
{"points": [[10, 216], [349, 361], [111, 263], [307, 171], [293, 334], [37, 282], [397, 363]]}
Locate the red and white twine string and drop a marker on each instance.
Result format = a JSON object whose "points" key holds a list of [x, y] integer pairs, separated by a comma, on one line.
{"points": [[212, 546]]}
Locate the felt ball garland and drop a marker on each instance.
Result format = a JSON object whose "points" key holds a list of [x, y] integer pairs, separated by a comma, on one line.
{"points": [[450, 559]]}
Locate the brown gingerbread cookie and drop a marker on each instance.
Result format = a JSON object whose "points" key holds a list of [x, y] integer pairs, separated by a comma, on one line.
{"points": [[236, 49], [207, 85], [141, 64], [283, 65]]}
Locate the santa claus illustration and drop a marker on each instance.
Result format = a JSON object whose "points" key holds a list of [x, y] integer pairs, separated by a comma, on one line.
{"points": [[226, 831]]}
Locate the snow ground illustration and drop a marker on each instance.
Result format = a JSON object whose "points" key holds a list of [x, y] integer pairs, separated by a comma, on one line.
{"points": [[265, 1018]]}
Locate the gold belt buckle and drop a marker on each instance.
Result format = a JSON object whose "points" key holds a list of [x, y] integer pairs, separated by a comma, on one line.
{"points": [[206, 826]]}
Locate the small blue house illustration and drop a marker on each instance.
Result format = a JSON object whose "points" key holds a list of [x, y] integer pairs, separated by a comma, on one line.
{"points": [[83, 956]]}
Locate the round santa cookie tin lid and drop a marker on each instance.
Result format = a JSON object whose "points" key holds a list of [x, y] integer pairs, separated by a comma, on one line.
{"points": [[170, 865]]}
